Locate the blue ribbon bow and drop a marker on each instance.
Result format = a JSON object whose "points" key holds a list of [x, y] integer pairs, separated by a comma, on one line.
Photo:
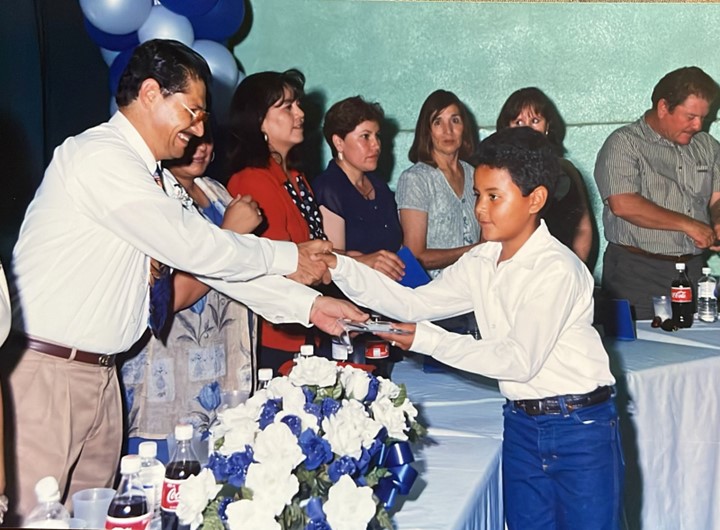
{"points": [[396, 458]]}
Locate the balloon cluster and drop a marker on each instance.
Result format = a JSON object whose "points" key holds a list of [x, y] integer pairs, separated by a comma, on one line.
{"points": [[118, 26]]}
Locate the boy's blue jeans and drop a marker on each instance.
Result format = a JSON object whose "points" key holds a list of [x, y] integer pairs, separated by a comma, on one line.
{"points": [[563, 472]]}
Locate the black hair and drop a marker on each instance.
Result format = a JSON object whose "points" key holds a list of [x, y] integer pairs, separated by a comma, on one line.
{"points": [[345, 115], [526, 155], [250, 103], [421, 149], [676, 86], [169, 62], [535, 99]]}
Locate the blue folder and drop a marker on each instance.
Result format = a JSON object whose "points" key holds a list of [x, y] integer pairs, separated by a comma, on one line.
{"points": [[415, 274]]}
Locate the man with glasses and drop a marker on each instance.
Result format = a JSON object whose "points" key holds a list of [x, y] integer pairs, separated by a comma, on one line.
{"points": [[83, 270]]}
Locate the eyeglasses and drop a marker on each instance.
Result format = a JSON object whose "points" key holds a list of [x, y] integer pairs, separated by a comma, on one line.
{"points": [[198, 116]]}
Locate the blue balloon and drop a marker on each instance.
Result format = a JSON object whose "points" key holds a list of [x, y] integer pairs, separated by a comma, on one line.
{"points": [[190, 8], [221, 22], [111, 41], [164, 24], [116, 16], [118, 67]]}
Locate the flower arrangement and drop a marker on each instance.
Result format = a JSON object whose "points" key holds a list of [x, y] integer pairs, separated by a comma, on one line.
{"points": [[325, 448]]}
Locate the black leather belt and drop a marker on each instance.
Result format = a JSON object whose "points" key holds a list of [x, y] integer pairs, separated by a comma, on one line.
{"points": [[551, 405], [683, 258], [67, 353]]}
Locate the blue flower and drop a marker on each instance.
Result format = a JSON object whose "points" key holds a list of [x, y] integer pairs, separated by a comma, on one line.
{"points": [[345, 465], [309, 394], [232, 469], [199, 306], [314, 409], [373, 388], [318, 524], [294, 423], [329, 407], [223, 506], [317, 450], [316, 515], [129, 397], [209, 397], [270, 409]]}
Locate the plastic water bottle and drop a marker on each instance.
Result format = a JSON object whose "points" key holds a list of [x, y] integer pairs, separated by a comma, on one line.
{"points": [[48, 513], [152, 473], [306, 350], [264, 377], [183, 464], [707, 303], [129, 509]]}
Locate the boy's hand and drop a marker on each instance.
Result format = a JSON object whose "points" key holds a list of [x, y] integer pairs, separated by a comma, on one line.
{"points": [[401, 341], [311, 269]]}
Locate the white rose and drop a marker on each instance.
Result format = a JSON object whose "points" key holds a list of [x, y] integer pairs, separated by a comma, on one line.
{"points": [[315, 371], [195, 493], [293, 398], [272, 485], [356, 382], [387, 389], [350, 429], [277, 444], [250, 515], [238, 434], [392, 417], [349, 507], [409, 409]]}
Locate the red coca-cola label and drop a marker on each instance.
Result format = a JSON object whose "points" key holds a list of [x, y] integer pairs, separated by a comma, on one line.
{"points": [[377, 350], [130, 523], [681, 295], [170, 494]]}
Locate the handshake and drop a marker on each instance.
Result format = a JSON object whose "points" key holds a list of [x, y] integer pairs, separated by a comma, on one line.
{"points": [[314, 258]]}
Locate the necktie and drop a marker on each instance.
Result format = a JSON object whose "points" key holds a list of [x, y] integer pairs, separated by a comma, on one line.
{"points": [[160, 284]]}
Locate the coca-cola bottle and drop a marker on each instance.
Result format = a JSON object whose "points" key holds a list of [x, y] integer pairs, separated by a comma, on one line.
{"points": [[129, 508], [682, 298], [183, 463]]}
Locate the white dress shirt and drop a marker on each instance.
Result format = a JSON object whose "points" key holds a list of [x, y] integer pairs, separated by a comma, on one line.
{"points": [[83, 255], [534, 312]]}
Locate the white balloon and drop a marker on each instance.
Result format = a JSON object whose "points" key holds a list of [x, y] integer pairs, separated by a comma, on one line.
{"points": [[164, 24], [220, 60], [116, 16], [108, 55]]}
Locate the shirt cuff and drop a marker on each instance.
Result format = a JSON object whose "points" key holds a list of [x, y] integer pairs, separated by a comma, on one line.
{"points": [[428, 337], [285, 259]]}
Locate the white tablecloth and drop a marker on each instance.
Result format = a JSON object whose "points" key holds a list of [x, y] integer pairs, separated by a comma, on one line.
{"points": [[673, 381], [459, 486]]}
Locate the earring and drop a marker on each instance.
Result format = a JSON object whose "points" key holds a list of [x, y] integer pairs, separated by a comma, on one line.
{"points": [[265, 137], [340, 156]]}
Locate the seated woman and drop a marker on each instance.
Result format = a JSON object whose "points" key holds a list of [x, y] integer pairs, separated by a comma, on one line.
{"points": [[435, 196], [568, 217], [209, 349], [357, 206]]}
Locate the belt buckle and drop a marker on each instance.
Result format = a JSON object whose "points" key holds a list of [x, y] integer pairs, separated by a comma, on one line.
{"points": [[105, 360]]}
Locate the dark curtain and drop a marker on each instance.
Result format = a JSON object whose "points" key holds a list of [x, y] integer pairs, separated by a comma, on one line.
{"points": [[54, 85]]}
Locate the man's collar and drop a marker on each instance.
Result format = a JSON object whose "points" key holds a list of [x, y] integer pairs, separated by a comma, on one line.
{"points": [[136, 141]]}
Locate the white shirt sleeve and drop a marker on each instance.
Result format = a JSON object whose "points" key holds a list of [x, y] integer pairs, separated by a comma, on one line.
{"points": [[5, 313], [442, 298]]}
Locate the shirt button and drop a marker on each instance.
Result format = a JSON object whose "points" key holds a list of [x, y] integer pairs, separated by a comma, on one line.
{"points": [[463, 200], [385, 226]]}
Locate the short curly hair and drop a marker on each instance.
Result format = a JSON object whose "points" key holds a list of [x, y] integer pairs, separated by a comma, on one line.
{"points": [[345, 115], [526, 155], [676, 86]]}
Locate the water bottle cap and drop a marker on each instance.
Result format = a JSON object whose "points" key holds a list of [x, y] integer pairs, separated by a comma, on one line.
{"points": [[706, 270], [183, 431], [306, 350], [130, 464], [265, 374], [47, 489], [147, 449]]}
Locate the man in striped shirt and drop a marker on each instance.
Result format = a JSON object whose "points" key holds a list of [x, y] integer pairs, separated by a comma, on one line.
{"points": [[659, 179]]}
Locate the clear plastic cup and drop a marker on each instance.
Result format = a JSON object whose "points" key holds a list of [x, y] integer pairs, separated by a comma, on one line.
{"points": [[91, 505]]}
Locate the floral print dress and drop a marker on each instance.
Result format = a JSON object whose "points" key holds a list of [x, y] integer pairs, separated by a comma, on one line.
{"points": [[207, 359]]}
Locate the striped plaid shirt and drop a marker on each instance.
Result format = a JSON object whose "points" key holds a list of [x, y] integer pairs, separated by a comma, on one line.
{"points": [[681, 178]]}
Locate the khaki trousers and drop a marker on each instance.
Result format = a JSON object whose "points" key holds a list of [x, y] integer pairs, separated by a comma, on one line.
{"points": [[68, 423]]}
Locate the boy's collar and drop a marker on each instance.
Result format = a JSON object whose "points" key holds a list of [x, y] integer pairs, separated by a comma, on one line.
{"points": [[526, 256]]}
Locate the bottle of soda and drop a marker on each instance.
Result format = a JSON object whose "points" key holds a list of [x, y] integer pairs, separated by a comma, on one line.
{"points": [[48, 513], [707, 303], [264, 377], [682, 298], [129, 508], [183, 463], [152, 474]]}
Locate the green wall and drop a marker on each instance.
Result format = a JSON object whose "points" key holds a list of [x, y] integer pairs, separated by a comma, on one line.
{"points": [[599, 62]]}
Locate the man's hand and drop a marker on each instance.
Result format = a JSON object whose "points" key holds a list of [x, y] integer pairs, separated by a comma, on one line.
{"points": [[326, 311], [401, 341], [242, 215], [703, 235], [382, 261], [311, 269]]}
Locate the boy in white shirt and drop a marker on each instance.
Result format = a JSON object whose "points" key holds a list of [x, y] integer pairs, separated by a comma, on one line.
{"points": [[532, 297]]}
